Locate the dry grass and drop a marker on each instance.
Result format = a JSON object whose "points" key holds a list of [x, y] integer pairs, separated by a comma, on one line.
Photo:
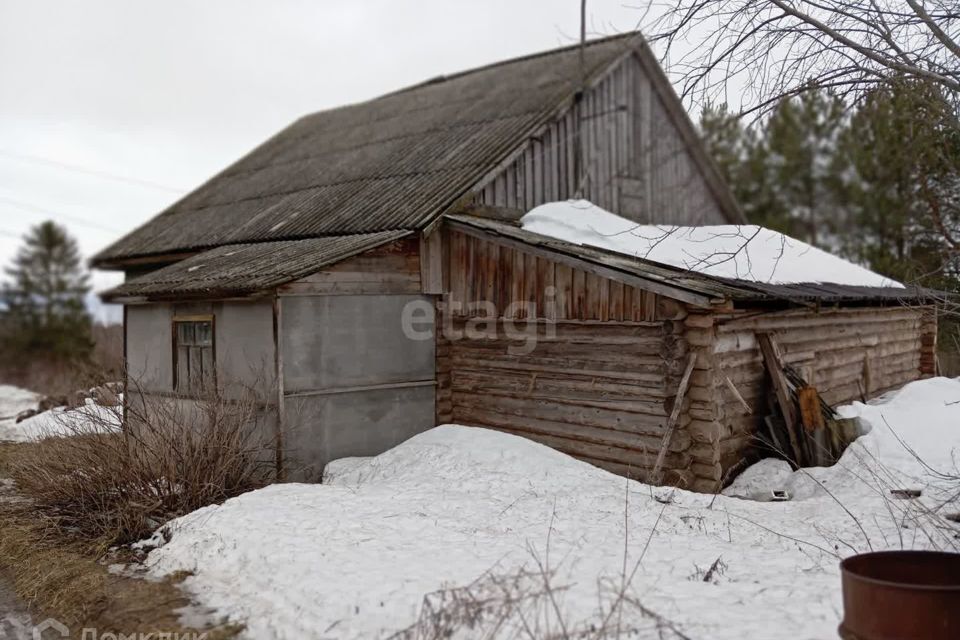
{"points": [[112, 488], [75, 497], [58, 576], [60, 378], [527, 605]]}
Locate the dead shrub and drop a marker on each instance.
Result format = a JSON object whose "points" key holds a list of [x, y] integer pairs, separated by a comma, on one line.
{"points": [[172, 457], [526, 605]]}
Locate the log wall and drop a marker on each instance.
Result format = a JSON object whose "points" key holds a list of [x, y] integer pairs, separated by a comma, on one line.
{"points": [[591, 370], [599, 391], [847, 354]]}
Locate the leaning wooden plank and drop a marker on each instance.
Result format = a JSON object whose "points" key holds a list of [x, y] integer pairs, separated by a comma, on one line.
{"points": [[774, 363], [867, 375], [737, 395], [674, 416]]}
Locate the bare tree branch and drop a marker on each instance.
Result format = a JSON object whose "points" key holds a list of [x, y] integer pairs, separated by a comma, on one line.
{"points": [[779, 48]]}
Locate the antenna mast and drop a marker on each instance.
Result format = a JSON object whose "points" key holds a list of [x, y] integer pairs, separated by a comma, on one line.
{"points": [[578, 101]]}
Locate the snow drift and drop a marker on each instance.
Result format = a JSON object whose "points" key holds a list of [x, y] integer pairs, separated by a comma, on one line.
{"points": [[13, 401], [354, 558], [61, 421]]}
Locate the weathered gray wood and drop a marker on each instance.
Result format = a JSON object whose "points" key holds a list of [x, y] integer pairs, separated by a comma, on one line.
{"points": [[589, 267], [736, 394], [774, 364], [431, 263], [281, 404], [640, 156], [674, 415], [351, 288]]}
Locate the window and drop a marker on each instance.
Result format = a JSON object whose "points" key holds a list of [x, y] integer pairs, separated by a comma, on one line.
{"points": [[193, 354]]}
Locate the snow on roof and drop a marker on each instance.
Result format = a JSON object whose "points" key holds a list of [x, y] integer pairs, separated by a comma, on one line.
{"points": [[744, 252]]}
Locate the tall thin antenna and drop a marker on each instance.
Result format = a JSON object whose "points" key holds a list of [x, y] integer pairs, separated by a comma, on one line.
{"points": [[583, 42], [577, 115]]}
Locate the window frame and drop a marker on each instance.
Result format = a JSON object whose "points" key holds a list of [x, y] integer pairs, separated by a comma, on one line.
{"points": [[177, 320]]}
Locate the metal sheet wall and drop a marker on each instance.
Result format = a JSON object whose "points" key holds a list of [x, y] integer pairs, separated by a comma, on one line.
{"points": [[355, 383]]}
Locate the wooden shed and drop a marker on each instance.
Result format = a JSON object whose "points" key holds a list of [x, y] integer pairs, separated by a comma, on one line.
{"points": [[620, 333], [346, 267]]}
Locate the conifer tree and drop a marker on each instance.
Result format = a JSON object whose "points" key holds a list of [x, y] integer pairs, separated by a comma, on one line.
{"points": [[799, 141], [904, 185], [739, 157], [43, 308]]}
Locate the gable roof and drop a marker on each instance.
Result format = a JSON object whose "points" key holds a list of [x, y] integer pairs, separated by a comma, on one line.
{"points": [[395, 162]]}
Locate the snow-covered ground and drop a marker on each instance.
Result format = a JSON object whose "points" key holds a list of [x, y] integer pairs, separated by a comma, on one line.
{"points": [[747, 252], [56, 422], [354, 558], [14, 400]]}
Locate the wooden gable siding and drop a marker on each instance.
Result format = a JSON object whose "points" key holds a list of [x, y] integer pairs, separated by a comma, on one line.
{"points": [[847, 353], [392, 268], [638, 163], [600, 379], [482, 270]]}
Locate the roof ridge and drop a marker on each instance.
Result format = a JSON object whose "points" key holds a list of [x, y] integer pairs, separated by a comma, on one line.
{"points": [[528, 56]]}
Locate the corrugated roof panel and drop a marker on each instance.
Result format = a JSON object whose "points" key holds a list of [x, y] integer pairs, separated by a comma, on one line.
{"points": [[391, 163], [243, 269]]}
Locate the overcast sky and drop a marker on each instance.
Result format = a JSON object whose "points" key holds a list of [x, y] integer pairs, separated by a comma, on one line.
{"points": [[110, 109]]}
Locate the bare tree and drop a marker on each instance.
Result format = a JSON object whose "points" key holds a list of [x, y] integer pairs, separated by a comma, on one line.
{"points": [[778, 48]]}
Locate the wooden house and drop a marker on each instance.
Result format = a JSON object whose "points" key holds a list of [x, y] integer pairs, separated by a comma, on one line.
{"points": [[339, 268]]}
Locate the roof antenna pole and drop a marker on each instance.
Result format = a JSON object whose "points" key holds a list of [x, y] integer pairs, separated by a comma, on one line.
{"points": [[583, 42], [579, 164]]}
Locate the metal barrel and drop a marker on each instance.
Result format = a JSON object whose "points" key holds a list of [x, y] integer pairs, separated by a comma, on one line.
{"points": [[901, 595]]}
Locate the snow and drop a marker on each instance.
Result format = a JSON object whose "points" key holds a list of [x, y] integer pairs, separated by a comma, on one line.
{"points": [[13, 401], [759, 480], [68, 422], [53, 423], [745, 252], [354, 558], [917, 422]]}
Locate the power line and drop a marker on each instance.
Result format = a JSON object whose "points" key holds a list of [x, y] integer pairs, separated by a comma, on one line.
{"points": [[22, 157], [47, 212]]}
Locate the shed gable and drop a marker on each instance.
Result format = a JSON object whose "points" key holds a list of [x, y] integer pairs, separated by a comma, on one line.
{"points": [[642, 156], [516, 283]]}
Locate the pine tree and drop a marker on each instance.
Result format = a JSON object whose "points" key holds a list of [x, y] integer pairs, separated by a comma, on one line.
{"points": [[43, 307], [877, 182], [726, 140], [737, 154], [904, 190], [799, 142]]}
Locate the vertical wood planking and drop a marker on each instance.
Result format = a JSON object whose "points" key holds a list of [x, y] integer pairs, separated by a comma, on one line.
{"points": [[483, 270], [564, 281], [529, 277], [637, 162], [603, 304]]}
